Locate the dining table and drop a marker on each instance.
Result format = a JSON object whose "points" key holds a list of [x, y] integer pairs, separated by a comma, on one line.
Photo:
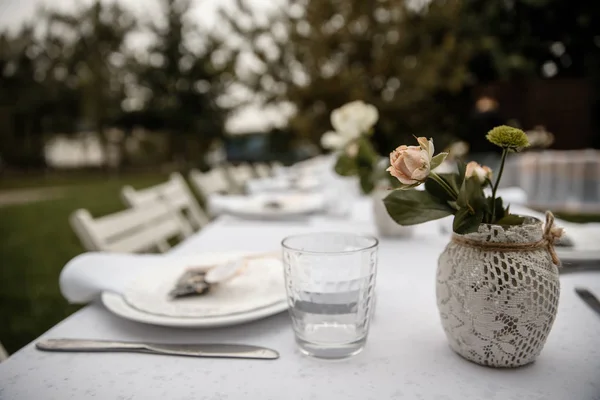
{"points": [[406, 355]]}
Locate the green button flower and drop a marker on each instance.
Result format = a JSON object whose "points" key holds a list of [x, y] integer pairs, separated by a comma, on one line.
{"points": [[508, 137]]}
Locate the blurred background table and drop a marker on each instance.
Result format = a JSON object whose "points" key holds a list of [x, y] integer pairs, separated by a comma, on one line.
{"points": [[562, 181]]}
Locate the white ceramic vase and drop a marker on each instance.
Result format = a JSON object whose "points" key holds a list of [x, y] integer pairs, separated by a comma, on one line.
{"points": [[497, 307], [386, 226]]}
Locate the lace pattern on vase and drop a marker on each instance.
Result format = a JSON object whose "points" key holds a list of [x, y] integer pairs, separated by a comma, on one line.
{"points": [[497, 308]]}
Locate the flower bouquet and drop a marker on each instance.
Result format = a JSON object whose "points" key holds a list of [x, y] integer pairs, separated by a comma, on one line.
{"points": [[497, 281], [353, 127]]}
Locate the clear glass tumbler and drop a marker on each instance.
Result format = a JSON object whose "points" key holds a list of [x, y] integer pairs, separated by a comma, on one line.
{"points": [[330, 283]]}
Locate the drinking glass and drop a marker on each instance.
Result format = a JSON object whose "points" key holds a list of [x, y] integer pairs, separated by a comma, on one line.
{"points": [[330, 283]]}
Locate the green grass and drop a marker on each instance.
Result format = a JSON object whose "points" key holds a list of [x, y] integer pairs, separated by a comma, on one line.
{"points": [[37, 242]]}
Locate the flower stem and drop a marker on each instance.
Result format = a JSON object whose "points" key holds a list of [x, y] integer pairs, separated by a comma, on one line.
{"points": [[444, 185], [495, 188]]}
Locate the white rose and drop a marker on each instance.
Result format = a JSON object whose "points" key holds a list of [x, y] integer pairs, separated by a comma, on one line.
{"points": [[352, 150], [333, 140], [354, 118], [349, 121]]}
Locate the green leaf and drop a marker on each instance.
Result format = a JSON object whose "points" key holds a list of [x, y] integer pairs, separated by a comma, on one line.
{"points": [[467, 222], [345, 165], [366, 182], [462, 170], [500, 211], [367, 155], [452, 180], [471, 195], [437, 160], [411, 207], [437, 190], [511, 219]]}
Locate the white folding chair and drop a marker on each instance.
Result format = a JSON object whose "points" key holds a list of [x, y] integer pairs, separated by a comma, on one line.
{"points": [[262, 170], [176, 194], [134, 230], [211, 182], [239, 175]]}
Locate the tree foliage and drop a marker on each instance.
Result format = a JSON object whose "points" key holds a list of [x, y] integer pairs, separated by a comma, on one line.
{"points": [[76, 72], [183, 81], [321, 54]]}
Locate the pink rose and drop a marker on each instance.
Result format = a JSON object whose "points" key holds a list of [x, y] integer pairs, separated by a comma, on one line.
{"points": [[480, 172], [411, 164]]}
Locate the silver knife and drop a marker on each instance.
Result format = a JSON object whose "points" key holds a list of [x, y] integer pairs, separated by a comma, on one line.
{"points": [[192, 350], [589, 299]]}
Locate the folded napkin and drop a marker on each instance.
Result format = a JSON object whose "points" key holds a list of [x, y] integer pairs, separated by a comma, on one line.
{"points": [[86, 276]]}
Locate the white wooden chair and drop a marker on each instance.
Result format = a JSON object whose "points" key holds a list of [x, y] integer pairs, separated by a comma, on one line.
{"points": [[134, 230], [176, 194], [262, 170], [238, 175], [211, 182], [3, 353]]}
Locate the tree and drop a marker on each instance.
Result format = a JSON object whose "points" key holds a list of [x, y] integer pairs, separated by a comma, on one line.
{"points": [[183, 83], [529, 38], [92, 59], [320, 54], [23, 101]]}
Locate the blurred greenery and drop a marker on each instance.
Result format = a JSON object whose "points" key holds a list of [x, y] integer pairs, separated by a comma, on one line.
{"points": [[420, 63], [73, 72], [37, 241]]}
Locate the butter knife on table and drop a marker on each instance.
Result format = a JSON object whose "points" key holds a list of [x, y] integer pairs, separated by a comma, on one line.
{"points": [[191, 350]]}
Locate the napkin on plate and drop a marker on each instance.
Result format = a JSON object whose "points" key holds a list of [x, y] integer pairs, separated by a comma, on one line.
{"points": [[144, 281], [86, 276]]}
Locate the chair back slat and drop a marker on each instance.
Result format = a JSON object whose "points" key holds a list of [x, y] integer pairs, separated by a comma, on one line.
{"points": [[137, 229], [211, 182], [262, 170], [239, 175], [176, 194]]}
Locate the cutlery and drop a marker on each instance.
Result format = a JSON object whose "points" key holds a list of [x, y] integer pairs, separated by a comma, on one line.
{"points": [[192, 350], [589, 299]]}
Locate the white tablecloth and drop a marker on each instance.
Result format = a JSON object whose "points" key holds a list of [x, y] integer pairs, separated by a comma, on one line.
{"points": [[407, 355]]}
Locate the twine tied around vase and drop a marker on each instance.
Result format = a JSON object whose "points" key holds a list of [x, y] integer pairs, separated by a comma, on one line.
{"points": [[550, 235]]}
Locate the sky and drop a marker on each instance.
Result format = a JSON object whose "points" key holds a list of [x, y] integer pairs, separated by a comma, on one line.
{"points": [[14, 12]]}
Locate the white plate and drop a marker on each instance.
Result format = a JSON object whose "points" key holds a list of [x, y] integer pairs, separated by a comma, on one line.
{"points": [[255, 207], [117, 305], [259, 284], [146, 309], [278, 185]]}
